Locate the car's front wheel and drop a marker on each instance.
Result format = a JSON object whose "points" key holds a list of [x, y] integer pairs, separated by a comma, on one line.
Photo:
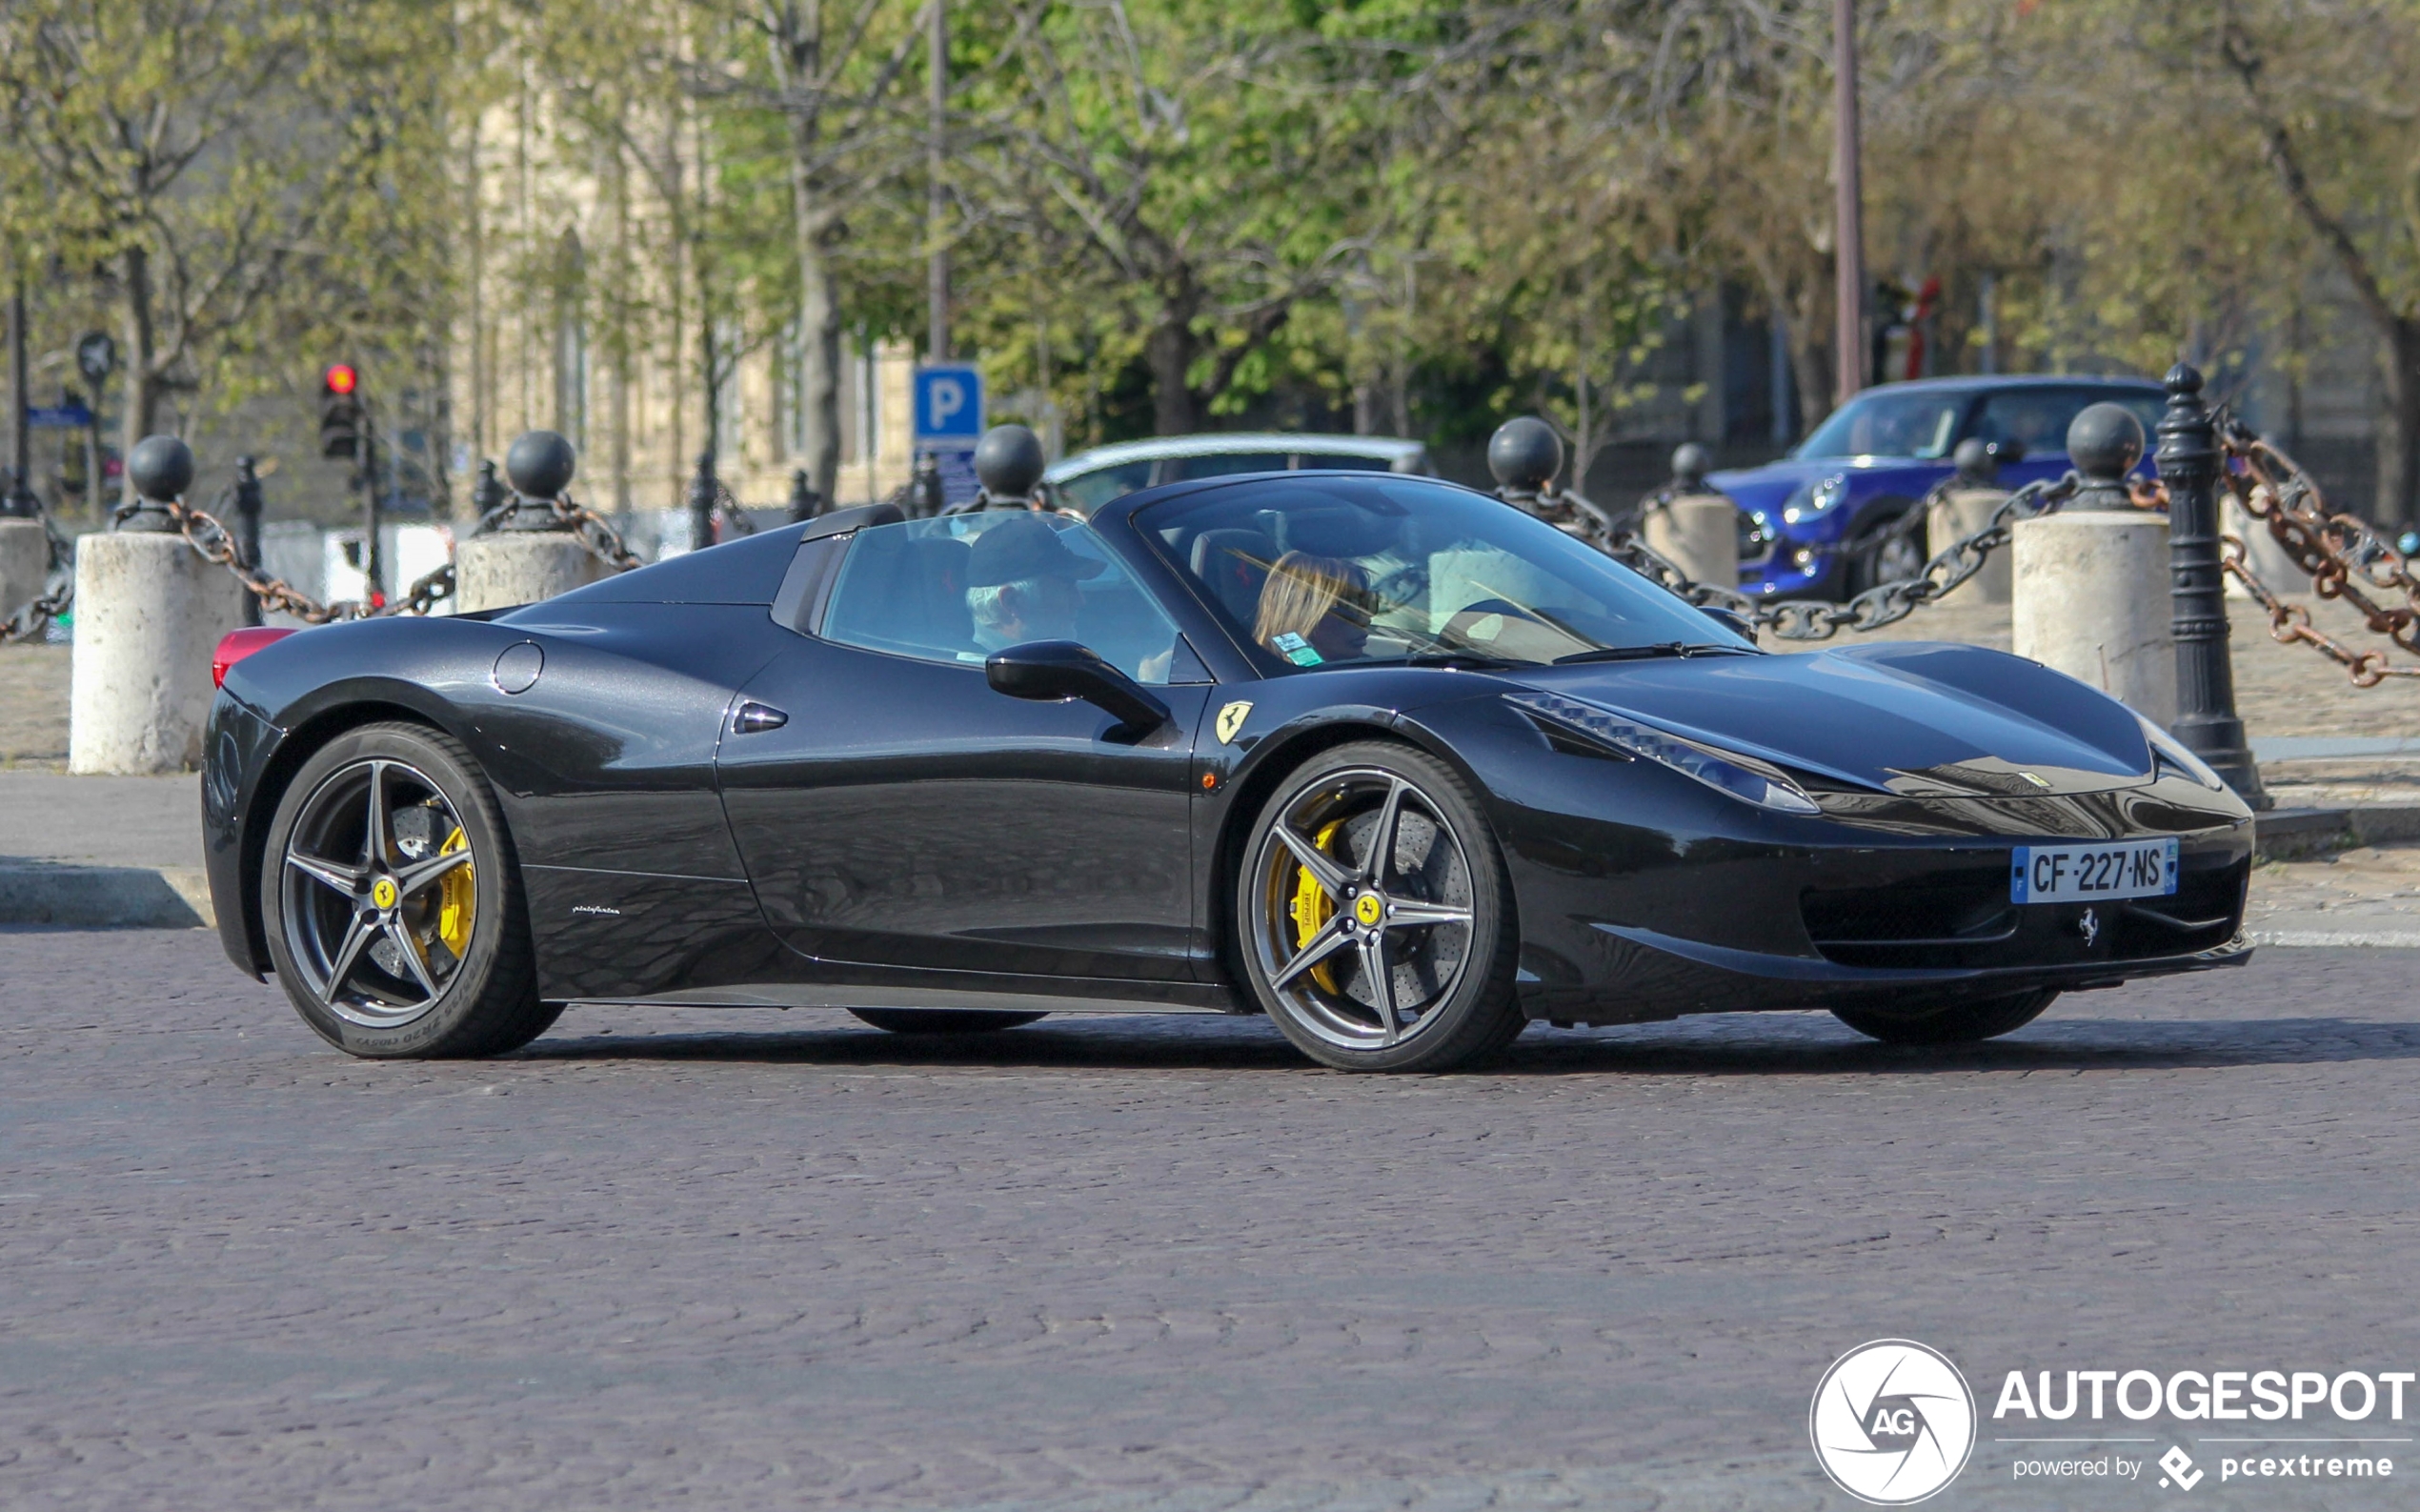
{"points": [[1374, 917], [393, 904], [1892, 549], [1957, 1024]]}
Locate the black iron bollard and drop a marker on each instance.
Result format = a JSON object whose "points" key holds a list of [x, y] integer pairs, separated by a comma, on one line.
{"points": [[701, 503], [19, 501], [805, 503], [487, 494], [248, 528], [2188, 463], [1978, 464], [161, 468], [929, 493]]}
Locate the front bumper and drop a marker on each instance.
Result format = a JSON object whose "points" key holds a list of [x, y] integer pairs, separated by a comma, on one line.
{"points": [[1621, 926]]}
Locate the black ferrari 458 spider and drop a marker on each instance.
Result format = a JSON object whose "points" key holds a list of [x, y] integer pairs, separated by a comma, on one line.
{"points": [[1381, 757]]}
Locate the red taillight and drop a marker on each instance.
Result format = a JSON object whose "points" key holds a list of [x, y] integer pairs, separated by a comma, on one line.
{"points": [[237, 644]]}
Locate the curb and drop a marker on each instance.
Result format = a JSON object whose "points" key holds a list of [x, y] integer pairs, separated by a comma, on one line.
{"points": [[2284, 834], [2336, 939], [106, 896]]}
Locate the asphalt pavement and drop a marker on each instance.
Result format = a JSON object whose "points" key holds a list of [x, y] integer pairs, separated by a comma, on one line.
{"points": [[752, 1260]]}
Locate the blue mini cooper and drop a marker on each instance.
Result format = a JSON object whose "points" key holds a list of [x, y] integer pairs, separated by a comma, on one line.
{"points": [[1812, 524]]}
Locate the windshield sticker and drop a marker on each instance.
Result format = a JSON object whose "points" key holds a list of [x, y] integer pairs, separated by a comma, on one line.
{"points": [[1294, 649]]}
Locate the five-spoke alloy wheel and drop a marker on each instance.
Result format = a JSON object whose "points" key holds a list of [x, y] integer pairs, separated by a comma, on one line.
{"points": [[393, 914], [1374, 915]]}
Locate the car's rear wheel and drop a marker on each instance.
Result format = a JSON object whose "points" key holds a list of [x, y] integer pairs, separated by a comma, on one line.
{"points": [[393, 904], [942, 1020], [1956, 1024], [1375, 920]]}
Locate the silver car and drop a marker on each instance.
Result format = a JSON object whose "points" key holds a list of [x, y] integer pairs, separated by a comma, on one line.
{"points": [[1082, 483]]}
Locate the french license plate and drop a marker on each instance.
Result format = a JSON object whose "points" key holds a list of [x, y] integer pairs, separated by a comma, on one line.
{"points": [[2084, 873]]}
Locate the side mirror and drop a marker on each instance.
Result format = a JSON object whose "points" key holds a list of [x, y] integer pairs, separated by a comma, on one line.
{"points": [[1730, 619], [1055, 671], [2008, 454]]}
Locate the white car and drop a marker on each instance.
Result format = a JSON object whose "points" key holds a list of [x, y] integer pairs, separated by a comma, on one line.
{"points": [[1082, 483]]}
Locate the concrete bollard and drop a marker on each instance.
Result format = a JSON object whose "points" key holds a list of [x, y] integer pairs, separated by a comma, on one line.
{"points": [[2090, 582], [1700, 533], [520, 567], [25, 564], [148, 612], [1956, 515]]}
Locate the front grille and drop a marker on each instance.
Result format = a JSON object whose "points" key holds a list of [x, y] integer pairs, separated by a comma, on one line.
{"points": [[1756, 541], [1960, 917]]}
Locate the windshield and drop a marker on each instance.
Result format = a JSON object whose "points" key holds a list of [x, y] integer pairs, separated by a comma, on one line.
{"points": [[1340, 569], [1881, 423]]}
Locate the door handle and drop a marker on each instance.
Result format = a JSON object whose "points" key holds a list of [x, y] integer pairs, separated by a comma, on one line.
{"points": [[755, 718]]}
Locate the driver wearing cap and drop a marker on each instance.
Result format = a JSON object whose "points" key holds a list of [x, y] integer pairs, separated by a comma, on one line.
{"points": [[1023, 587], [1022, 584]]}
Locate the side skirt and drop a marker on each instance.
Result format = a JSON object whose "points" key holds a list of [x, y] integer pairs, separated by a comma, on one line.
{"points": [[842, 995]]}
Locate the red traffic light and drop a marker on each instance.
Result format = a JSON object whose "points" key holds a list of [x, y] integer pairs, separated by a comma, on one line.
{"points": [[341, 378]]}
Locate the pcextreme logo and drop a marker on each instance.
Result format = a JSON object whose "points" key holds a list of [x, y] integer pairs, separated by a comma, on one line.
{"points": [[1892, 1421]]}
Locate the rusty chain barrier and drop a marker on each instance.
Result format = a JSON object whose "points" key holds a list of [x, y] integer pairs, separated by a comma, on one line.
{"points": [[1802, 620], [206, 534], [2345, 558]]}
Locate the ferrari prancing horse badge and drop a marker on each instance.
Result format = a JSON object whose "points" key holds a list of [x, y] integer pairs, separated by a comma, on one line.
{"points": [[1231, 719]]}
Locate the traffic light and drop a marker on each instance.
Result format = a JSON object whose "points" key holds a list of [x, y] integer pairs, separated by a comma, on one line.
{"points": [[339, 411]]}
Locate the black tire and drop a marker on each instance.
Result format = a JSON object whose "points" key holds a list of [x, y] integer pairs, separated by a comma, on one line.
{"points": [[319, 877], [1443, 861], [1891, 560], [942, 1020], [1961, 1023]]}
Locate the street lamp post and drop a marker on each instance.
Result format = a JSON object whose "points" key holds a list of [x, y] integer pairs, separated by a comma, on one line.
{"points": [[937, 261], [2188, 462]]}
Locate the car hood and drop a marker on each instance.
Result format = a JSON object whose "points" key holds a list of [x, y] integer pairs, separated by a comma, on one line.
{"points": [[1914, 717], [1764, 488]]}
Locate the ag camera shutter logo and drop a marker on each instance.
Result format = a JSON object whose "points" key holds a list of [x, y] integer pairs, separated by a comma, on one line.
{"points": [[1892, 1422]]}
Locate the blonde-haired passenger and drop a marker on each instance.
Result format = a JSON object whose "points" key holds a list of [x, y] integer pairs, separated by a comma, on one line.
{"points": [[1318, 602]]}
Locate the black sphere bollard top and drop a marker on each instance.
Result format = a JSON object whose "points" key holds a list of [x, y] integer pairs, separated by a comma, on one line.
{"points": [[2103, 443], [1690, 464], [161, 469], [1008, 462], [1525, 455], [540, 465], [1978, 462]]}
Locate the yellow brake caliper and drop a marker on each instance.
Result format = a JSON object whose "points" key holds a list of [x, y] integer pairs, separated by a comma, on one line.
{"points": [[456, 893], [1312, 908]]}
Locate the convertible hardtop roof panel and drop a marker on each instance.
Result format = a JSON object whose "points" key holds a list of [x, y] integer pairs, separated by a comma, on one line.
{"points": [[747, 571]]}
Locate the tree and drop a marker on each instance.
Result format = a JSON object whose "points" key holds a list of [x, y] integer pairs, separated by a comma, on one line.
{"points": [[245, 173], [1189, 173]]}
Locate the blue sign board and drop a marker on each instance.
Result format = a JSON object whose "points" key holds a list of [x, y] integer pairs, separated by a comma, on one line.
{"points": [[57, 417], [949, 406]]}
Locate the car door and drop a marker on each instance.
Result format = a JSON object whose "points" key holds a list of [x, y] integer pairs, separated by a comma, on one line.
{"points": [[903, 814]]}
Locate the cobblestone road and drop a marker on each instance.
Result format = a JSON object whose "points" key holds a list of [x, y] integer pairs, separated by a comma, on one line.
{"points": [[767, 1260]]}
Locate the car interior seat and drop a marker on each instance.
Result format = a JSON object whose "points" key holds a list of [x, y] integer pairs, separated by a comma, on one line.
{"points": [[1233, 564]]}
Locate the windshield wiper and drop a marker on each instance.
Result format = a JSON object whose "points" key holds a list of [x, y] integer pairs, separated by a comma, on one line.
{"points": [[1665, 648]]}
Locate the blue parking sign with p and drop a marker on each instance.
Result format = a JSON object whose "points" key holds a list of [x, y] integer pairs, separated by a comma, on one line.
{"points": [[949, 404]]}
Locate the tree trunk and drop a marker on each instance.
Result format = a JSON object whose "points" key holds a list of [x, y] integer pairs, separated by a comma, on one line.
{"points": [[2398, 499], [819, 324], [1171, 351], [142, 386]]}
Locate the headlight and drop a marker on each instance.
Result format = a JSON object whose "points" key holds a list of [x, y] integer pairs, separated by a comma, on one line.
{"points": [[1812, 499], [1739, 776], [2168, 750]]}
